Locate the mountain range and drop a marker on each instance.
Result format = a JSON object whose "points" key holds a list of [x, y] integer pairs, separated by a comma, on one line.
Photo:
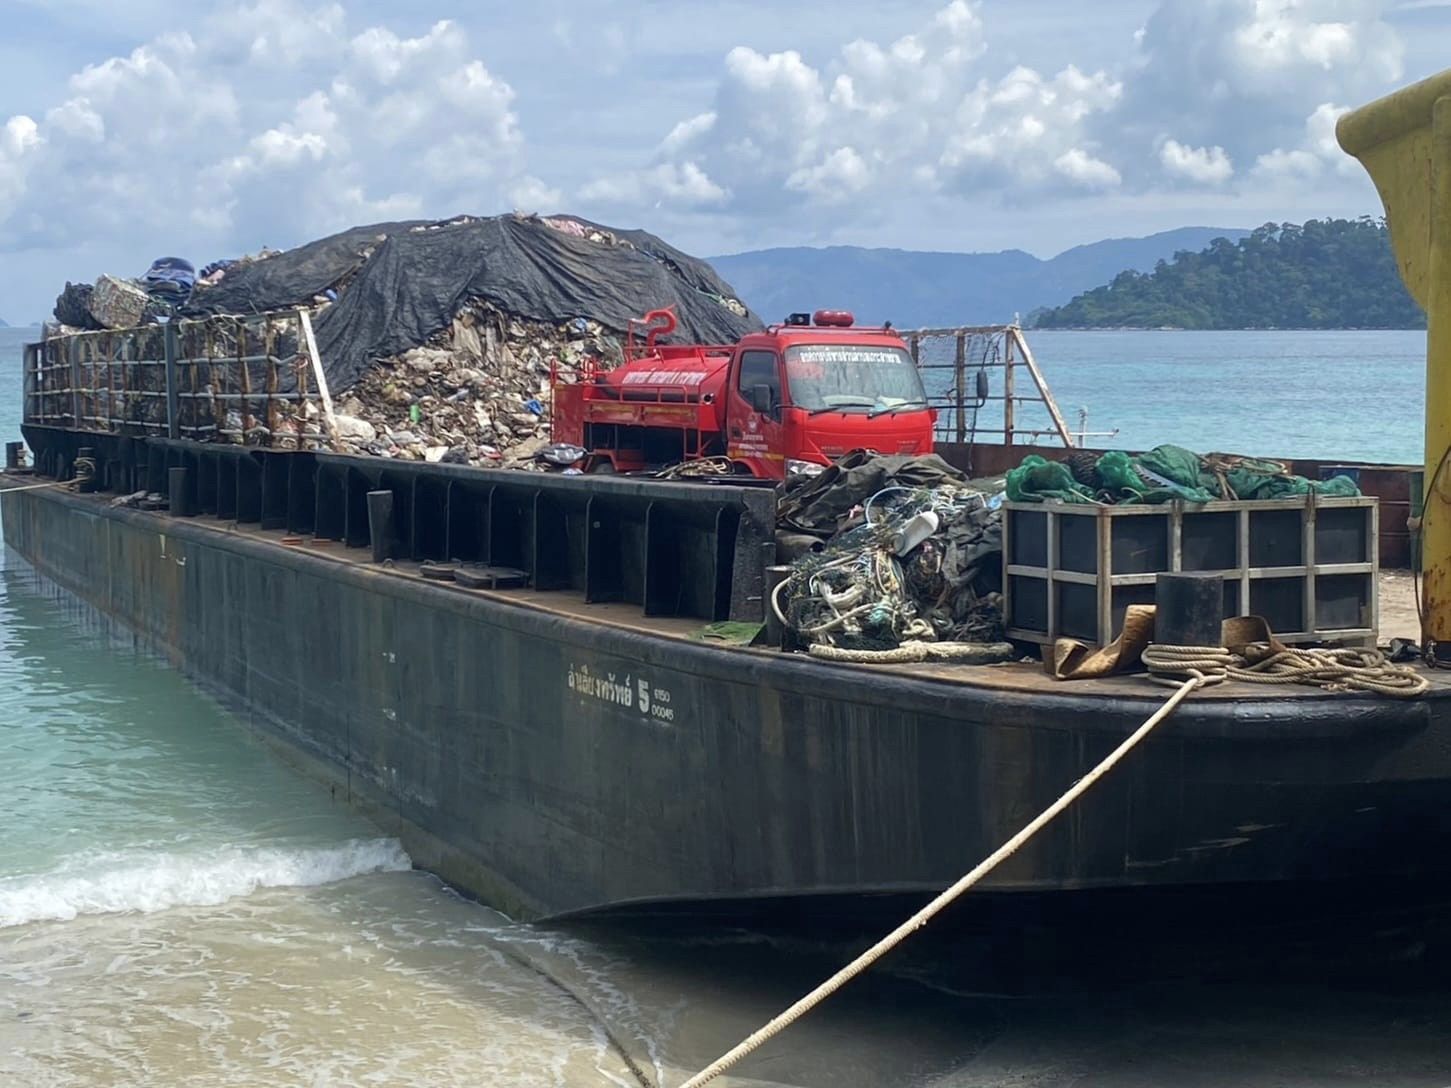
{"points": [[915, 289]]}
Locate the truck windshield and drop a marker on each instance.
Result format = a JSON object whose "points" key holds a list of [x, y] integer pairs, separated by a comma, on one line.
{"points": [[852, 378]]}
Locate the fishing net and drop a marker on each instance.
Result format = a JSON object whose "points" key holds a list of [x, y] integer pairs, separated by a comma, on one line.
{"points": [[1164, 474]]}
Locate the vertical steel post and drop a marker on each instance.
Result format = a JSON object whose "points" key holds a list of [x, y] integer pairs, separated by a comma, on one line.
{"points": [[72, 357], [168, 339], [380, 524], [959, 369], [177, 483], [1008, 390]]}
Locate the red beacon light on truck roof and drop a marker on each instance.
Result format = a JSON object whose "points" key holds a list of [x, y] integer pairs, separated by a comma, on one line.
{"points": [[833, 318]]}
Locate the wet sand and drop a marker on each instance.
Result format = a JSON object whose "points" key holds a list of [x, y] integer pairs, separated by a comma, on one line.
{"points": [[1398, 618]]}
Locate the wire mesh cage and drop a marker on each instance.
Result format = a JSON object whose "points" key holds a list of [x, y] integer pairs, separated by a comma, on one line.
{"points": [[246, 380], [985, 385]]}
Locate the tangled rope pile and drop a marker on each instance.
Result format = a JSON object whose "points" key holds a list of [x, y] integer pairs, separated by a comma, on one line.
{"points": [[705, 466], [1266, 663], [921, 568]]}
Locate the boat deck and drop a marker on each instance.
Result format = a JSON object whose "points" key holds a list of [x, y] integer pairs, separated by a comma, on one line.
{"points": [[1398, 618]]}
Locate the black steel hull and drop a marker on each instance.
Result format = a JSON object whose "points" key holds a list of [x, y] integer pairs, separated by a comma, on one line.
{"points": [[553, 765]]}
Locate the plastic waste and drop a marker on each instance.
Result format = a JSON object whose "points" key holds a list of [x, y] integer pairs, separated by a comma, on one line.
{"points": [[561, 453], [914, 530]]}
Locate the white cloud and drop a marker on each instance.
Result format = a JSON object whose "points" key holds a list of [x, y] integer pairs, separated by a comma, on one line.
{"points": [[1026, 132], [19, 140], [842, 174], [273, 120], [685, 184], [529, 194], [1243, 74], [932, 116], [875, 123], [1316, 154], [1081, 168], [1200, 165]]}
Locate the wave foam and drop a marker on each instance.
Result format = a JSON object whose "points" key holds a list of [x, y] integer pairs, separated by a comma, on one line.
{"points": [[155, 881]]}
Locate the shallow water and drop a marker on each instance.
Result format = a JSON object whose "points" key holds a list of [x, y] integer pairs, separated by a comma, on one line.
{"points": [[178, 907]]}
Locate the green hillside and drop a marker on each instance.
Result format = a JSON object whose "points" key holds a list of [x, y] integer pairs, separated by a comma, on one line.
{"points": [[1325, 274]]}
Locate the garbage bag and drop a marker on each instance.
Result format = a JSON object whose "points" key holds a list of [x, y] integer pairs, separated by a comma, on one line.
{"points": [[170, 279]]}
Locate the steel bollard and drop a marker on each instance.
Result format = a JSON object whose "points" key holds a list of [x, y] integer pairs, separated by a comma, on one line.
{"points": [[87, 471], [380, 524], [1188, 609], [180, 505]]}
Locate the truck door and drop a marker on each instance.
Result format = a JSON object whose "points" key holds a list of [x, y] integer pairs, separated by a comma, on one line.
{"points": [[753, 419]]}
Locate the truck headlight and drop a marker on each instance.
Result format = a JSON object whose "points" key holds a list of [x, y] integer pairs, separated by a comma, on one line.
{"points": [[803, 468]]}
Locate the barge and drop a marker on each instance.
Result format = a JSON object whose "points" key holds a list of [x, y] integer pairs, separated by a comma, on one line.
{"points": [[570, 746], [557, 738]]}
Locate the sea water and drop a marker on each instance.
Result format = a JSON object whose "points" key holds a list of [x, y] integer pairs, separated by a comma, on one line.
{"points": [[178, 907]]}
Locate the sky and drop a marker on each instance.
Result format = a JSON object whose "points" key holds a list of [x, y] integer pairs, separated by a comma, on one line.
{"points": [[206, 130]]}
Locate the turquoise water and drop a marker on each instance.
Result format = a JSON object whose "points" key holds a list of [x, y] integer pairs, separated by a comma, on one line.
{"points": [[1353, 396], [179, 908]]}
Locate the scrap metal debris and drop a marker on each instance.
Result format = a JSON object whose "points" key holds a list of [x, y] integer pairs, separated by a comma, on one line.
{"points": [[916, 561]]}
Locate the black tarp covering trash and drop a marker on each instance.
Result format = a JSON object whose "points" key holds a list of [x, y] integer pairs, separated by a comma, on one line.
{"points": [[294, 277], [911, 554], [403, 284], [440, 340]]}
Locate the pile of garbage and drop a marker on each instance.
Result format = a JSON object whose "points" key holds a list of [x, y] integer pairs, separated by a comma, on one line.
{"points": [[480, 393], [1163, 474], [439, 338], [892, 552]]}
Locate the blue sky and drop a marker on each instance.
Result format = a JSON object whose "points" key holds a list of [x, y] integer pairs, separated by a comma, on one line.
{"points": [[208, 130]]}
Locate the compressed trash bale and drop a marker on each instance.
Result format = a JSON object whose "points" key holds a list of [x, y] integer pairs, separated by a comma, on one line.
{"points": [[117, 304]]}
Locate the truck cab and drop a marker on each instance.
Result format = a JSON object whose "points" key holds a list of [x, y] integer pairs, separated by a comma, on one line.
{"points": [[787, 400], [804, 393]]}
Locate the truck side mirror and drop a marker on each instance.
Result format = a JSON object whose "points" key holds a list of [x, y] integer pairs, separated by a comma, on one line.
{"points": [[763, 399]]}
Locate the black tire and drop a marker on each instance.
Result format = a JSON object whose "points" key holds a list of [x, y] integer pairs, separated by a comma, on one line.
{"points": [[1084, 467], [602, 467]]}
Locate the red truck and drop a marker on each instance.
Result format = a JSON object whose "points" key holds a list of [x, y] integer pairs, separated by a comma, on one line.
{"points": [[787, 400]]}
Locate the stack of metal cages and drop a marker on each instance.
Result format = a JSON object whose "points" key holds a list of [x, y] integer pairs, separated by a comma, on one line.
{"points": [[1307, 565]]}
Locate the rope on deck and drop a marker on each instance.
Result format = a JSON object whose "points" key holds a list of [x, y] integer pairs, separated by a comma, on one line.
{"points": [[914, 651], [1263, 663]]}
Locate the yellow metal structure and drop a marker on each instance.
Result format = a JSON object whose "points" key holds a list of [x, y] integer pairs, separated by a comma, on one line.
{"points": [[1404, 143]]}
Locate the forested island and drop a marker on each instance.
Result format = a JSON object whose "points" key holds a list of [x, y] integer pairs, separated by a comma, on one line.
{"points": [[1323, 274]]}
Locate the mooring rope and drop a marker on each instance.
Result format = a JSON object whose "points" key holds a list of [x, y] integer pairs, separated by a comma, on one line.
{"points": [[1262, 663], [37, 487], [932, 909], [908, 652]]}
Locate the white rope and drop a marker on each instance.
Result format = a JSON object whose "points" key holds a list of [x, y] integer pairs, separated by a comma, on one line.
{"points": [[36, 487], [932, 909], [913, 651], [1331, 669]]}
